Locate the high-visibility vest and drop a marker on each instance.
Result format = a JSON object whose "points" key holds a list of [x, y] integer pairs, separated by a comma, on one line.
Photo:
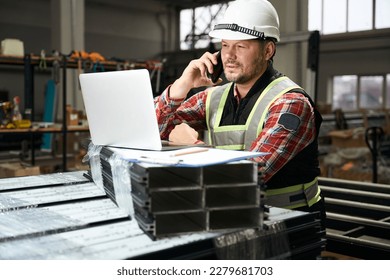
{"points": [[241, 137]]}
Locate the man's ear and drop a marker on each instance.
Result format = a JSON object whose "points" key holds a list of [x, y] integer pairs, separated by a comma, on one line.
{"points": [[269, 50]]}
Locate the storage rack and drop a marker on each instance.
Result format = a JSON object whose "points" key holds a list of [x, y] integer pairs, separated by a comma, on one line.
{"points": [[31, 61]]}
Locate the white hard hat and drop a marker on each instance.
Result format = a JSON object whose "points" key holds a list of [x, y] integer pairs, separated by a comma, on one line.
{"points": [[248, 19]]}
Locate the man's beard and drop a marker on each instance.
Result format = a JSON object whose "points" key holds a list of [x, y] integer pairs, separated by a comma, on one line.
{"points": [[242, 78]]}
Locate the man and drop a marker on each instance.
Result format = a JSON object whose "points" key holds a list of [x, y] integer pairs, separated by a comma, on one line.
{"points": [[260, 110]]}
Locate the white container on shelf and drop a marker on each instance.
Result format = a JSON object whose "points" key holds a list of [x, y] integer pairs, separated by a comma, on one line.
{"points": [[14, 47]]}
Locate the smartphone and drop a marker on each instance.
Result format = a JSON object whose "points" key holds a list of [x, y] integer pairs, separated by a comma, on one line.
{"points": [[217, 70]]}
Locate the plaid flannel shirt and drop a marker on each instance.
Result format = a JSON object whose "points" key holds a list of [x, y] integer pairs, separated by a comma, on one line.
{"points": [[282, 144]]}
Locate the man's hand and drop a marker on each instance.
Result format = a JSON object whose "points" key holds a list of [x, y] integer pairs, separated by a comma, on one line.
{"points": [[184, 134], [194, 76]]}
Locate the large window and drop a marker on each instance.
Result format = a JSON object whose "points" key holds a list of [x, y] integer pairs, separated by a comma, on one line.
{"points": [[352, 92], [195, 25], [345, 92], [371, 92], [339, 16]]}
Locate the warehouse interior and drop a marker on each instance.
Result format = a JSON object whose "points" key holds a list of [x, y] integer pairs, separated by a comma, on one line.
{"points": [[347, 74]]}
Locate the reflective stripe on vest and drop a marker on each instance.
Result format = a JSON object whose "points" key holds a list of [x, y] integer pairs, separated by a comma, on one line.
{"points": [[240, 137], [274, 90], [233, 139], [294, 196]]}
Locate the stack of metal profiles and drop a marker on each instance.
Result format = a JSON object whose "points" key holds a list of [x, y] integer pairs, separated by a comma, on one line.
{"points": [[175, 200], [65, 216], [358, 218], [171, 200]]}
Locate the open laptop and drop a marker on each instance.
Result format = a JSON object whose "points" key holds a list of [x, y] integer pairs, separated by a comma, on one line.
{"points": [[120, 109]]}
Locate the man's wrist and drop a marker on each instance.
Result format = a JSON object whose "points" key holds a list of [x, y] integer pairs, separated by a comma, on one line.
{"points": [[172, 99]]}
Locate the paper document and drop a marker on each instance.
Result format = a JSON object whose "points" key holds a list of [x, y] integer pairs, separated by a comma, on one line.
{"points": [[190, 157]]}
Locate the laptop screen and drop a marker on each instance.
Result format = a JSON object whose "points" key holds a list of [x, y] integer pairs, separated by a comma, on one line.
{"points": [[120, 109]]}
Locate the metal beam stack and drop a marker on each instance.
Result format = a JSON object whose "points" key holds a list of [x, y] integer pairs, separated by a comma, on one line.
{"points": [[175, 200], [65, 216], [171, 200]]}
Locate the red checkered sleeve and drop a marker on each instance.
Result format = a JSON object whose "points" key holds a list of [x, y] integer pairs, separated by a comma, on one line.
{"points": [[283, 143], [171, 112]]}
